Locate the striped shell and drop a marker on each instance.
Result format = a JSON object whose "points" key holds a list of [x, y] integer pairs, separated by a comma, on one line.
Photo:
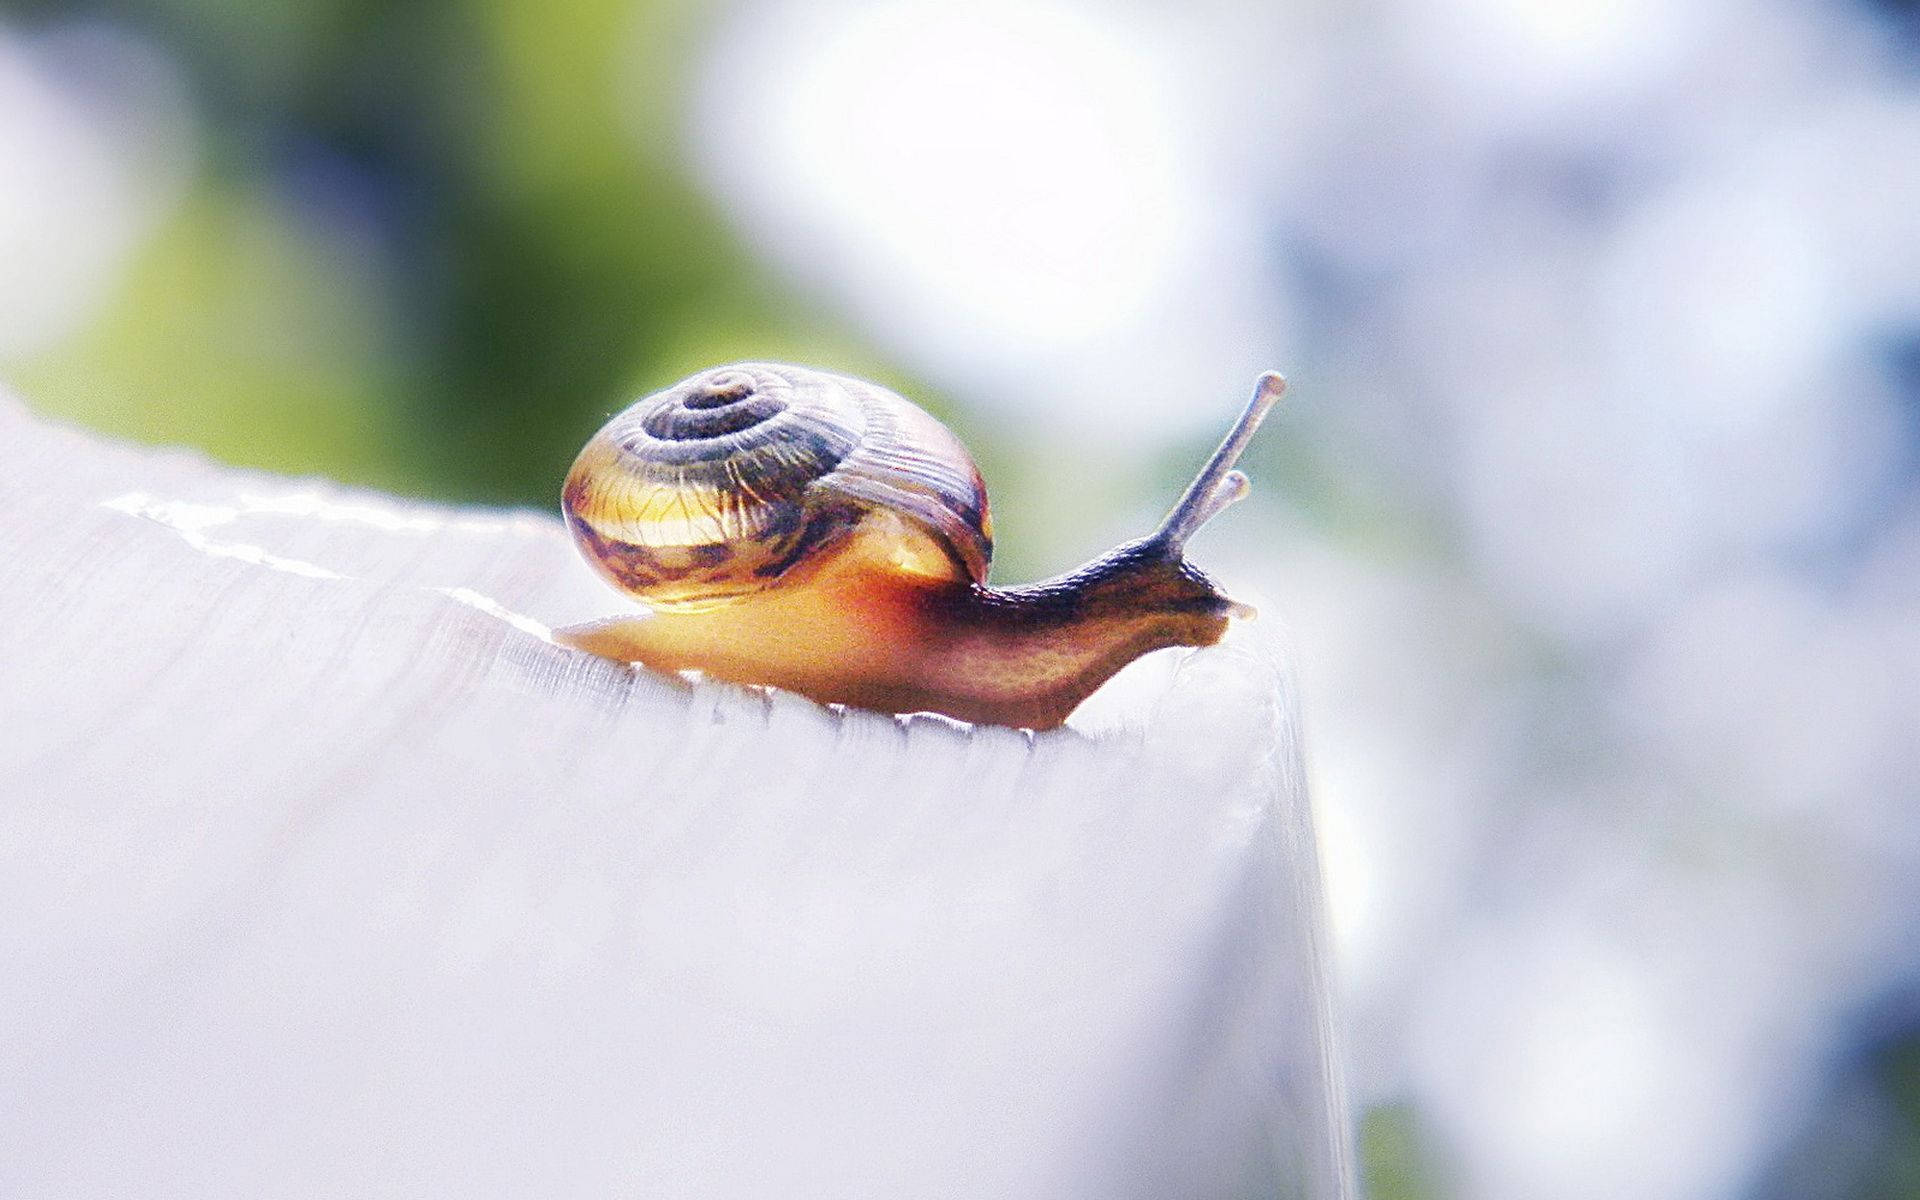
{"points": [[726, 481]]}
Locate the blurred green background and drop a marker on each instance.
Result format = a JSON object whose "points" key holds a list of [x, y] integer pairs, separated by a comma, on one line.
{"points": [[431, 247]]}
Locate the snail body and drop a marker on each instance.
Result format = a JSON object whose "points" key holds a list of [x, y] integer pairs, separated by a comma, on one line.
{"points": [[813, 532]]}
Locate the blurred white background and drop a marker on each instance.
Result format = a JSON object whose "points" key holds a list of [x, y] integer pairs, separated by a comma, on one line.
{"points": [[1595, 513], [1606, 319]]}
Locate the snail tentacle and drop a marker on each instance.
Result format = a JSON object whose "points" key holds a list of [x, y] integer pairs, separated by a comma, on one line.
{"points": [[1218, 484]]}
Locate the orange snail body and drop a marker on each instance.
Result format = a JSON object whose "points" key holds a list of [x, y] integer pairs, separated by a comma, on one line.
{"points": [[813, 532]]}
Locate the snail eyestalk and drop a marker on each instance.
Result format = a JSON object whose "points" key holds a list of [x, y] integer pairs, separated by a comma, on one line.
{"points": [[1219, 484]]}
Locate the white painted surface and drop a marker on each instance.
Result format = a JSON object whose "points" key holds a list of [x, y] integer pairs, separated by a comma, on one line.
{"points": [[321, 872]]}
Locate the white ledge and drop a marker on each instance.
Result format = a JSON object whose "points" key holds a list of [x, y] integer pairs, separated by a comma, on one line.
{"points": [[323, 872]]}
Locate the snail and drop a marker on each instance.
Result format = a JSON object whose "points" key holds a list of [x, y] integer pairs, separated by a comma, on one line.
{"points": [[810, 531]]}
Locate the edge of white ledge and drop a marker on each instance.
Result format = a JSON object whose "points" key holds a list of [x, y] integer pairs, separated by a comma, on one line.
{"points": [[304, 818]]}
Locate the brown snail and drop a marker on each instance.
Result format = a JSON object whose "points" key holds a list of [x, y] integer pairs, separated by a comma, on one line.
{"points": [[813, 532]]}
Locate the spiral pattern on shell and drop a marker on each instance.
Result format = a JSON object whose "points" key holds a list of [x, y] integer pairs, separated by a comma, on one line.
{"points": [[730, 479]]}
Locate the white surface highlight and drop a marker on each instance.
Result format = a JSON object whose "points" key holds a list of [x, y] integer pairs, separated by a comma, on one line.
{"points": [[344, 881]]}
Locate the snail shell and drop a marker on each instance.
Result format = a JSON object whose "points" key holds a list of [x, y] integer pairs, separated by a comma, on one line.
{"points": [[741, 476]]}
